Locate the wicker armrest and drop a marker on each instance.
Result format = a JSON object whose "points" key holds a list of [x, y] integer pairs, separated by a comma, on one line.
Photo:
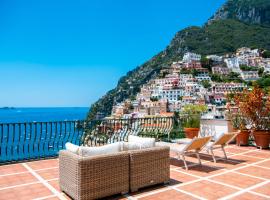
{"points": [[93, 177], [149, 167]]}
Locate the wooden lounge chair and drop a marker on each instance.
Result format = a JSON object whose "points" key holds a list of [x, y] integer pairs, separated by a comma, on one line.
{"points": [[220, 142], [193, 147]]}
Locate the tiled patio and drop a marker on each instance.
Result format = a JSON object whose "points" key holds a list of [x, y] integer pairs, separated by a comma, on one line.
{"points": [[246, 175]]}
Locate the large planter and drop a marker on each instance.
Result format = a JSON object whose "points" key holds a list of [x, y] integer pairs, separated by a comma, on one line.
{"points": [[191, 132], [262, 139], [242, 138]]}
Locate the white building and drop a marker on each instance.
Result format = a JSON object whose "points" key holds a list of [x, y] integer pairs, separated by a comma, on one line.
{"points": [[203, 77], [215, 58], [188, 57], [247, 52], [233, 64], [249, 75], [171, 94], [175, 106]]}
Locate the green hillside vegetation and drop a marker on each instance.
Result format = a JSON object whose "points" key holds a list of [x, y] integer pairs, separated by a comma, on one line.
{"points": [[218, 37], [248, 68]]}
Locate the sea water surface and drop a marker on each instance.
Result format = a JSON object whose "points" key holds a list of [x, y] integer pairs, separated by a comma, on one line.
{"points": [[11, 115], [36, 140]]}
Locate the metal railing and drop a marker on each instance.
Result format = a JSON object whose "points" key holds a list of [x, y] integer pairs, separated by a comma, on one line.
{"points": [[36, 140]]}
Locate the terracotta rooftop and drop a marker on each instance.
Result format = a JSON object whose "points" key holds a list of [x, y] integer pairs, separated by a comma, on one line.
{"points": [[246, 175]]}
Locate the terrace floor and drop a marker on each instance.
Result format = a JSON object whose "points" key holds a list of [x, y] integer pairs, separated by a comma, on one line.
{"points": [[245, 175]]}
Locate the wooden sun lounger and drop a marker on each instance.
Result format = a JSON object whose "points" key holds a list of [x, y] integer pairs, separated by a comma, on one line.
{"points": [[193, 147]]}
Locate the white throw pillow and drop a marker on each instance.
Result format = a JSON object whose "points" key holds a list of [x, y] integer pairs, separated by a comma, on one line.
{"points": [[72, 147], [131, 146], [145, 142], [106, 149]]}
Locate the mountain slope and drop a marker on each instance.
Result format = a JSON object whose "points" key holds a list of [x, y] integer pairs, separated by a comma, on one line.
{"points": [[219, 35], [248, 11]]}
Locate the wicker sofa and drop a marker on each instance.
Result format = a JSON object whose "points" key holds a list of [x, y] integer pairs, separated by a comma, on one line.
{"points": [[105, 175], [93, 177], [149, 167]]}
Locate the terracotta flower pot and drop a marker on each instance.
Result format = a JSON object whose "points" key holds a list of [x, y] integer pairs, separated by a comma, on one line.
{"points": [[191, 132], [262, 139], [242, 138]]}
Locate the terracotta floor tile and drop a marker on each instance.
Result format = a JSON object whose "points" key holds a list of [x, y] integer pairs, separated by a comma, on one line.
{"points": [[148, 190], [243, 147], [42, 164], [265, 151], [256, 171], [237, 180], [259, 154], [178, 177], [169, 194], [25, 192], [175, 163], [265, 189], [220, 154], [226, 164], [52, 198], [115, 197], [236, 150], [66, 196], [246, 159], [13, 168], [248, 196], [203, 188], [202, 170], [265, 164], [208, 189], [49, 173], [55, 184], [17, 179]]}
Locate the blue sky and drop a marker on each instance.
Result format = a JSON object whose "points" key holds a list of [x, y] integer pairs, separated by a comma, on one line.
{"points": [[70, 53]]}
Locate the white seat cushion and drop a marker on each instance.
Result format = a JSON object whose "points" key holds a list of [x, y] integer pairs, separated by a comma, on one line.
{"points": [[178, 148], [131, 146], [72, 147], [144, 142], [106, 149]]}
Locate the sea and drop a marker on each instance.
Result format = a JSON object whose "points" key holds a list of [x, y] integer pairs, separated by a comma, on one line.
{"points": [[48, 114], [38, 140]]}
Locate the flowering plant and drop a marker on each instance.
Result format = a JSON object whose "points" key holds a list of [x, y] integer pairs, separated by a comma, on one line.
{"points": [[254, 106]]}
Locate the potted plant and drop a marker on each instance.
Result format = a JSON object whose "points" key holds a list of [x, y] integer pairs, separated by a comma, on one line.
{"points": [[254, 106], [191, 118], [239, 123]]}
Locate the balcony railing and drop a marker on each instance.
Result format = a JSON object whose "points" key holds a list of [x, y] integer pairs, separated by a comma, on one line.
{"points": [[35, 140]]}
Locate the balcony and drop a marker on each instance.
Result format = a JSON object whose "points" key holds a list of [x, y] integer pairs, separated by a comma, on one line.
{"points": [[246, 175], [31, 171]]}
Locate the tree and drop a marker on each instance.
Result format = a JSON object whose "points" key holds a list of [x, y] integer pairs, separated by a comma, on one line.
{"points": [[206, 84], [154, 98], [180, 98], [260, 71], [266, 54], [216, 77], [194, 72], [248, 68], [206, 63]]}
